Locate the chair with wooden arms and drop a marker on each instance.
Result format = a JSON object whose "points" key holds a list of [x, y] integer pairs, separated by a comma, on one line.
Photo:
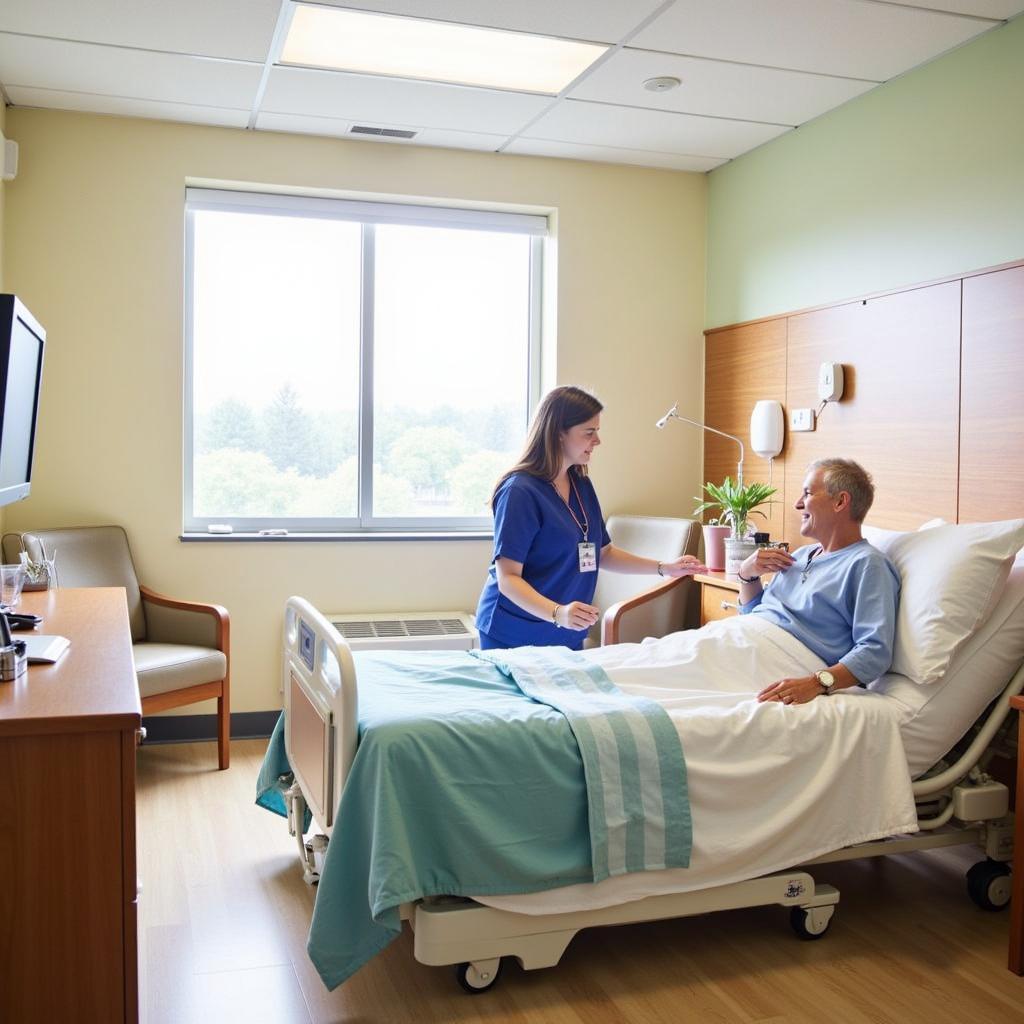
{"points": [[668, 604], [181, 648]]}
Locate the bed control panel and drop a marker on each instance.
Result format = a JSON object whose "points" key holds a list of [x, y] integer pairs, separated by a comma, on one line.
{"points": [[983, 802], [307, 645]]}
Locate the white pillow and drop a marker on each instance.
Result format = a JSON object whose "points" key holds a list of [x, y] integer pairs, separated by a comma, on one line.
{"points": [[952, 578], [939, 715]]}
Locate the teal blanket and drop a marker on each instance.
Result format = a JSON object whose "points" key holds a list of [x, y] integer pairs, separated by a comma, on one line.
{"points": [[461, 785], [638, 811]]}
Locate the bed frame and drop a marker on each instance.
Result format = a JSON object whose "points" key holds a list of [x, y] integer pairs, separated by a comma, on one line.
{"points": [[958, 804]]}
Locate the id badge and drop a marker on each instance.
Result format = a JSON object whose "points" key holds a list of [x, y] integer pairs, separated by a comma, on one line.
{"points": [[588, 557]]}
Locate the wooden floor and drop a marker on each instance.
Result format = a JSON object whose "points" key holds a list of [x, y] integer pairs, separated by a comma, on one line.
{"points": [[224, 913]]}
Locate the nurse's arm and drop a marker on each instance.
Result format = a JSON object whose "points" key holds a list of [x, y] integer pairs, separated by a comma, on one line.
{"points": [[617, 560], [575, 615]]}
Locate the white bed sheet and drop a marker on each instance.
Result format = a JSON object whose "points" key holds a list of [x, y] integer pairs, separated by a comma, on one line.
{"points": [[770, 785]]}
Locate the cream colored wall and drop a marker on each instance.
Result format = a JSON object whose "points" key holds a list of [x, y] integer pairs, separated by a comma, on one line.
{"points": [[93, 240], [3, 186]]}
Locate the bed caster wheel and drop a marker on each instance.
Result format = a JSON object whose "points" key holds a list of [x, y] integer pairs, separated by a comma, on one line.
{"points": [[811, 923], [478, 976], [988, 884]]}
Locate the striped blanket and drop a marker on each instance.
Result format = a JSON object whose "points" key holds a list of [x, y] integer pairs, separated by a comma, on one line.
{"points": [[639, 813]]}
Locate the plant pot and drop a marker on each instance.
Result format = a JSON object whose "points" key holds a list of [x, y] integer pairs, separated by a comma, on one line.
{"points": [[736, 550], [714, 546]]}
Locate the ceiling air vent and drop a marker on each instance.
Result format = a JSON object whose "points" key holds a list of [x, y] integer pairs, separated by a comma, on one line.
{"points": [[388, 133]]}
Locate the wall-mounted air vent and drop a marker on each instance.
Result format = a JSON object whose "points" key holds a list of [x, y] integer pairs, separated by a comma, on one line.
{"points": [[388, 133], [408, 630]]}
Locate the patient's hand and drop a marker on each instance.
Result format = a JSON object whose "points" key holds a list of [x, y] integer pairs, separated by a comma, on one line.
{"points": [[765, 560], [801, 690]]}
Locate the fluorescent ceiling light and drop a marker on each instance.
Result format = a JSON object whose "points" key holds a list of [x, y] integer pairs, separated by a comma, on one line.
{"points": [[381, 44]]}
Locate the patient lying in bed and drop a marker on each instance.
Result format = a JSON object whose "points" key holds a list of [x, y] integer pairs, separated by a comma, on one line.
{"points": [[837, 596]]}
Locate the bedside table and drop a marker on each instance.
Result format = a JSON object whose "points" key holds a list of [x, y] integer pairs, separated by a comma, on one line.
{"points": [[1017, 906], [719, 596]]}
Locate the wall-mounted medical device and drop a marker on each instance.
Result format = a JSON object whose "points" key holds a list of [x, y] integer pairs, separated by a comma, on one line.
{"points": [[830, 382], [767, 429]]}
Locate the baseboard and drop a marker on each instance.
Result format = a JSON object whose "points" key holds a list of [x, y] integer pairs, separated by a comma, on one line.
{"points": [[245, 725]]}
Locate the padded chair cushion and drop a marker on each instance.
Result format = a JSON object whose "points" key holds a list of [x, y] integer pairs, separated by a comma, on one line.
{"points": [[93, 556], [165, 667], [657, 537]]}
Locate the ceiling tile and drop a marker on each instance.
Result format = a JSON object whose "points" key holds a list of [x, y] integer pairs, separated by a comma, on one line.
{"points": [[190, 114], [602, 21], [239, 29], [333, 127], [600, 124], [113, 71], [396, 101], [717, 88], [836, 37], [610, 155]]}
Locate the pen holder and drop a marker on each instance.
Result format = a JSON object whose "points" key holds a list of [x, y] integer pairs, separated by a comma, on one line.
{"points": [[13, 661]]}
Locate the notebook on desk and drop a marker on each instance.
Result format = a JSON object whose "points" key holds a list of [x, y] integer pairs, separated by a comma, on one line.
{"points": [[44, 649]]}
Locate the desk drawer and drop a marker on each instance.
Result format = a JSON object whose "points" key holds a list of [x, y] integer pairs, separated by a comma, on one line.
{"points": [[717, 603]]}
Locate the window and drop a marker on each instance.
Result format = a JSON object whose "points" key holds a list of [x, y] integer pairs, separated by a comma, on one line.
{"points": [[354, 366]]}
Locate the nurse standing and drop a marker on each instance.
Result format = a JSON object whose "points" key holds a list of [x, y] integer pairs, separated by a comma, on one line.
{"points": [[549, 536]]}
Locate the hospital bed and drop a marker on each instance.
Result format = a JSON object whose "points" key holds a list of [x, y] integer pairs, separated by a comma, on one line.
{"points": [[949, 732]]}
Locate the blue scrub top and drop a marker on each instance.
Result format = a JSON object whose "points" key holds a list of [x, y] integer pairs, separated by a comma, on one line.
{"points": [[533, 526]]}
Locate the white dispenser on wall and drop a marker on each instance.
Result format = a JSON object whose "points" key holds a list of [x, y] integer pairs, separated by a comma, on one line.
{"points": [[767, 429]]}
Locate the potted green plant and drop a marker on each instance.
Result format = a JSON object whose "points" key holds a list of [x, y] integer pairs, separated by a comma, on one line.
{"points": [[735, 504]]}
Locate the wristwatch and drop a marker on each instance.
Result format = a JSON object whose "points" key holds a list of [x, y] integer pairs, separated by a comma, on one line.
{"points": [[827, 680]]}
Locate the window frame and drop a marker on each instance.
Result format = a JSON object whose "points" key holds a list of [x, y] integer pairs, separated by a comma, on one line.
{"points": [[368, 214]]}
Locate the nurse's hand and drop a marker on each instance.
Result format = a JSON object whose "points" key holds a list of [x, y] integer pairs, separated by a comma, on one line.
{"points": [[577, 615], [687, 565]]}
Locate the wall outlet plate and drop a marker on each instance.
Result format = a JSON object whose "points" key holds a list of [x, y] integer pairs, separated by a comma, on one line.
{"points": [[801, 419]]}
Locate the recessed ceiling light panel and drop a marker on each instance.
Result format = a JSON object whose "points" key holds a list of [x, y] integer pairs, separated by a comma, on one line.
{"points": [[383, 44]]}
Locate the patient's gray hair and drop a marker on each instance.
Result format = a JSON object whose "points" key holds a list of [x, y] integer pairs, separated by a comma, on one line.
{"points": [[847, 475]]}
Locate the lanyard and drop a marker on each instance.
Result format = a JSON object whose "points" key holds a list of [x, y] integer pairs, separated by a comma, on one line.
{"points": [[585, 525]]}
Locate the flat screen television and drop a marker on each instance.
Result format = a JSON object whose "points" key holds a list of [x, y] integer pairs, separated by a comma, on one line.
{"points": [[22, 341]]}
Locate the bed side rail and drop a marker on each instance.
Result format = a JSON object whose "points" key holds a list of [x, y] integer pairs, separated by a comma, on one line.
{"points": [[994, 719], [318, 676]]}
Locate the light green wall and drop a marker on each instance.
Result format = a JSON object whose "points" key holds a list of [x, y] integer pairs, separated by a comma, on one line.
{"points": [[921, 178], [94, 235]]}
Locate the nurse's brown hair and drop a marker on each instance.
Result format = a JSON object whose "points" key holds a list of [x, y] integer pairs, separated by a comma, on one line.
{"points": [[560, 410]]}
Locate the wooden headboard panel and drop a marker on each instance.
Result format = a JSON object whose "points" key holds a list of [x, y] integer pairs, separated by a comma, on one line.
{"points": [[932, 407]]}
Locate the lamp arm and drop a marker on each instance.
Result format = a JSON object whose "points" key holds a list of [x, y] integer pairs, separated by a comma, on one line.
{"points": [[721, 433]]}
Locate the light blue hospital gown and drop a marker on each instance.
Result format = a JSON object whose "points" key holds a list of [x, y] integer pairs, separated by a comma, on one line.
{"points": [[840, 605]]}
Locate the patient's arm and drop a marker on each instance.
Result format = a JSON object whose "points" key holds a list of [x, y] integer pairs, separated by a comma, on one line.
{"points": [[802, 689], [761, 562]]}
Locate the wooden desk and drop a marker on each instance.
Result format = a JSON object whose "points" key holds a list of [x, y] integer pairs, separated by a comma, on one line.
{"points": [[68, 886], [719, 595], [1017, 905]]}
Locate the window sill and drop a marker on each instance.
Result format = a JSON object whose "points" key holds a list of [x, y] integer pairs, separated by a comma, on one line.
{"points": [[393, 535]]}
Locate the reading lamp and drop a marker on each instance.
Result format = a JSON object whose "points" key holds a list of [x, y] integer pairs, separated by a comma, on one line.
{"points": [[673, 414]]}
